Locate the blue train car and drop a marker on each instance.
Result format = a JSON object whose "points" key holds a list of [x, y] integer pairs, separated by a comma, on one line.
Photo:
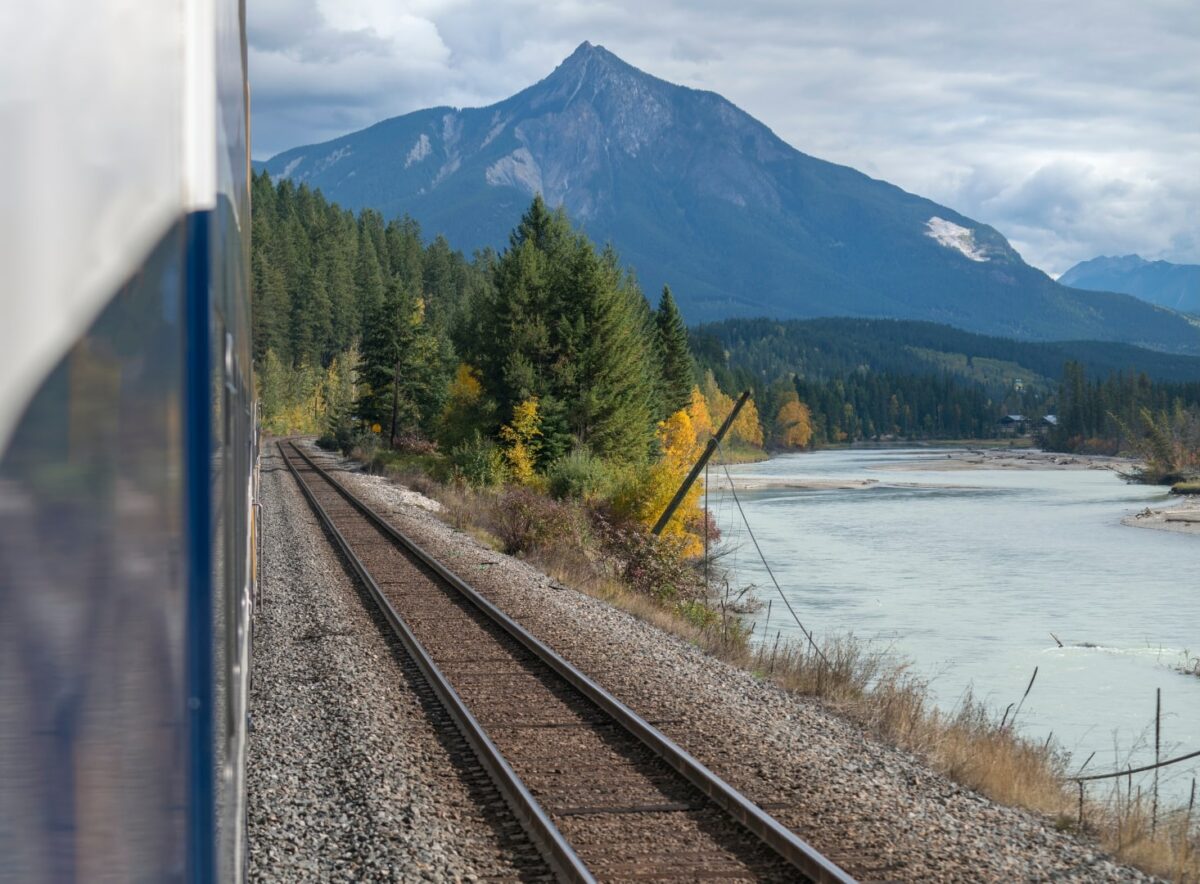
{"points": [[127, 441]]}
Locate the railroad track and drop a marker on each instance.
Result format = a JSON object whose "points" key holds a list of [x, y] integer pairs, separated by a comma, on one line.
{"points": [[601, 792]]}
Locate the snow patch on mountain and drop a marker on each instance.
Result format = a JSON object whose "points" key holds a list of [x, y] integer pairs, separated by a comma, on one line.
{"points": [[419, 151], [955, 236]]}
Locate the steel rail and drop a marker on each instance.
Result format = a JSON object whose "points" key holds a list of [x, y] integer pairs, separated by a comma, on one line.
{"points": [[753, 818], [559, 854]]}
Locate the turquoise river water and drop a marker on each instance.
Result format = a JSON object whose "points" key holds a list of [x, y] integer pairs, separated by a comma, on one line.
{"points": [[967, 573]]}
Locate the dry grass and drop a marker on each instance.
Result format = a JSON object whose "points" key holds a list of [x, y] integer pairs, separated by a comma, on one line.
{"points": [[869, 686], [1190, 665]]}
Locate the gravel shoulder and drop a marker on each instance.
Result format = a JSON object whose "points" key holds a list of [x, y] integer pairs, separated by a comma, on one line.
{"points": [[354, 773], [874, 809]]}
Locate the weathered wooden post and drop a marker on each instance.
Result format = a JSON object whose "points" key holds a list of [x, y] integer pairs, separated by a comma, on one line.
{"points": [[700, 464]]}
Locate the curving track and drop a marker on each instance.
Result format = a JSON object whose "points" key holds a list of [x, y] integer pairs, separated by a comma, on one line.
{"points": [[603, 794]]}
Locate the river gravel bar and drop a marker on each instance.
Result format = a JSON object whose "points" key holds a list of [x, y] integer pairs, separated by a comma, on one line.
{"points": [[877, 811]]}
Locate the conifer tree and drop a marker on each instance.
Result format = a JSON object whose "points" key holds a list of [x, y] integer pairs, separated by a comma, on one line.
{"points": [[312, 328], [674, 357], [386, 342], [271, 312], [340, 248], [616, 391], [368, 280], [568, 329]]}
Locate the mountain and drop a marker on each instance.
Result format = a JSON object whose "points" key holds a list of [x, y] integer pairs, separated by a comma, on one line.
{"points": [[1169, 285], [695, 192]]}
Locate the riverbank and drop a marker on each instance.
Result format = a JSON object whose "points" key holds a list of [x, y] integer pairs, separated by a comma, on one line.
{"points": [[964, 460], [1014, 459], [1182, 517]]}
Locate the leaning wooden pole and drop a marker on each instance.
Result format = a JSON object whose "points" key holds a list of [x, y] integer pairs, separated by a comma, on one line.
{"points": [[691, 477]]}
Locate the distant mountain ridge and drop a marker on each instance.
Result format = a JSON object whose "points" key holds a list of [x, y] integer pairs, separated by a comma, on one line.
{"points": [[695, 192], [1160, 282], [823, 349]]}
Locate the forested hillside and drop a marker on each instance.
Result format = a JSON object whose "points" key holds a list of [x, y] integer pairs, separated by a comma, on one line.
{"points": [[884, 379], [335, 293], [821, 349]]}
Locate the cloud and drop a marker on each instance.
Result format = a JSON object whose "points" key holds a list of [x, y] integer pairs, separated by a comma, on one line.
{"points": [[1072, 127]]}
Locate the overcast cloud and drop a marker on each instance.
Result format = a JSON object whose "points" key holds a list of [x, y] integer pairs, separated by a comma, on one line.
{"points": [[1073, 128]]}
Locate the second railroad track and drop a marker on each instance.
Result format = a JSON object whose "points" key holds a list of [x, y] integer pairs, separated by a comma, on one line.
{"points": [[603, 794]]}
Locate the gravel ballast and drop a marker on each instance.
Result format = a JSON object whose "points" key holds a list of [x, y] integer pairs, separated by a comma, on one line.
{"points": [[876, 810], [354, 773]]}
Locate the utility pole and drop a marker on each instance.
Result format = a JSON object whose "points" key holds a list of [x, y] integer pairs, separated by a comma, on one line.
{"points": [[700, 464]]}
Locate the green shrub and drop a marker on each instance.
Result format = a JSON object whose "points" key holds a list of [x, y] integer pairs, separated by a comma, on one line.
{"points": [[699, 614], [579, 475], [478, 463]]}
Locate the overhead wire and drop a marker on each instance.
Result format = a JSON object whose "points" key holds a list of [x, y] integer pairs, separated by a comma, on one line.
{"points": [[770, 573]]}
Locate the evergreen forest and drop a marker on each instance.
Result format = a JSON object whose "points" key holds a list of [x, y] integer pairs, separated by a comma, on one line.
{"points": [[547, 360]]}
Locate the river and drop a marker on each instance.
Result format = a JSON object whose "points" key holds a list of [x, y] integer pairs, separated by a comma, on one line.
{"points": [[967, 573]]}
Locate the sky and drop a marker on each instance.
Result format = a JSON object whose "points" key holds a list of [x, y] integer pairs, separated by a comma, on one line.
{"points": [[1071, 127]]}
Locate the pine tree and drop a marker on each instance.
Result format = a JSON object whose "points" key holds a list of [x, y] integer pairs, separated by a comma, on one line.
{"points": [[312, 328], [674, 357], [272, 317], [341, 249], [617, 388], [368, 281], [386, 341], [567, 328]]}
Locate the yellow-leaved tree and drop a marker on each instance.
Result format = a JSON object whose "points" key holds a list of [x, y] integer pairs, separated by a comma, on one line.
{"points": [[520, 440], [647, 496], [747, 427], [793, 423], [697, 410], [719, 405]]}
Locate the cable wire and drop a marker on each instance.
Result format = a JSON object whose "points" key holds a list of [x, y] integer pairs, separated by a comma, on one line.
{"points": [[778, 588]]}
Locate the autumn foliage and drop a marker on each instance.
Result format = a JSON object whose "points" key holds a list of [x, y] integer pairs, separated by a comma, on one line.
{"points": [[520, 439], [646, 495], [793, 423]]}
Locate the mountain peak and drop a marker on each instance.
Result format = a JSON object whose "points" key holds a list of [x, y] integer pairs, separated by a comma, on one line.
{"points": [[587, 50], [589, 61]]}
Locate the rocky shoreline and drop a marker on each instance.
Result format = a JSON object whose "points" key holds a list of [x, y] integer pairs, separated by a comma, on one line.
{"points": [[1182, 517], [1015, 459]]}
